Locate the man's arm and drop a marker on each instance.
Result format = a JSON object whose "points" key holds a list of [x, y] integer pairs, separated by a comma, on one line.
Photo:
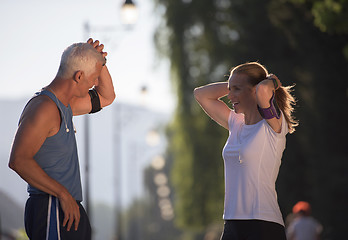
{"points": [[104, 88], [40, 120]]}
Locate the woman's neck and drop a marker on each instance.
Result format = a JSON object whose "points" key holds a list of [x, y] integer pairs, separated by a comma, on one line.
{"points": [[252, 117]]}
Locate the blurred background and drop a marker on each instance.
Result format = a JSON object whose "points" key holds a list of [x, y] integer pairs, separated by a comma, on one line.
{"points": [[151, 162]]}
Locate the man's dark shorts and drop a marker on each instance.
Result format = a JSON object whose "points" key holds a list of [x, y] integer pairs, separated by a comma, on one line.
{"points": [[44, 216]]}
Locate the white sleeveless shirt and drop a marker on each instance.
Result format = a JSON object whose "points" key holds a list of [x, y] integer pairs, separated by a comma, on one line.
{"points": [[252, 157]]}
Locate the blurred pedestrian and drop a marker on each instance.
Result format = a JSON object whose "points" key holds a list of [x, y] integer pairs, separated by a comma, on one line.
{"points": [[303, 226], [258, 123], [44, 151]]}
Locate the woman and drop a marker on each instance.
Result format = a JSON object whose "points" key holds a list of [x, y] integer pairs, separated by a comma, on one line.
{"points": [[260, 119]]}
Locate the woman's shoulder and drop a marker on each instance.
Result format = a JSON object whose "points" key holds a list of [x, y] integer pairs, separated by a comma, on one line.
{"points": [[235, 118], [284, 127]]}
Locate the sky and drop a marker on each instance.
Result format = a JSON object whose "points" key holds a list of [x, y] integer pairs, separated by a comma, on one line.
{"points": [[34, 35]]}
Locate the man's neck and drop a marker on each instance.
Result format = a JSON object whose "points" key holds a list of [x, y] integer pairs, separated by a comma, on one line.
{"points": [[62, 90]]}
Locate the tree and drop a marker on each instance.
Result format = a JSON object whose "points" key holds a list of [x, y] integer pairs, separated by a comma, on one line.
{"points": [[204, 39]]}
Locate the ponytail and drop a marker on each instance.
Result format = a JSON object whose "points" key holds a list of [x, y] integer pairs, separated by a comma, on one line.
{"points": [[286, 102]]}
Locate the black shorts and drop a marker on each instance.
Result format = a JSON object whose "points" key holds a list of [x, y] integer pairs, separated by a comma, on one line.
{"points": [[44, 216], [252, 230]]}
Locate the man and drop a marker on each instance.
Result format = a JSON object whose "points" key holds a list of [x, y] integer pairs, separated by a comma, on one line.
{"points": [[44, 150]]}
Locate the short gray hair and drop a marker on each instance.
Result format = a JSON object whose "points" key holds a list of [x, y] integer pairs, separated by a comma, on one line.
{"points": [[79, 57]]}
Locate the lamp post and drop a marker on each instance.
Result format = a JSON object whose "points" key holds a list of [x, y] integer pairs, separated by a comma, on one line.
{"points": [[87, 158], [129, 16], [125, 117]]}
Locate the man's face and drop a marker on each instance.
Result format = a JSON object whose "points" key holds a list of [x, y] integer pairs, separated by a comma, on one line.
{"points": [[91, 80]]}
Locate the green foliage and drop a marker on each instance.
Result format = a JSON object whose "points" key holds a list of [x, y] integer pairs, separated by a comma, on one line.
{"points": [[205, 38], [330, 15]]}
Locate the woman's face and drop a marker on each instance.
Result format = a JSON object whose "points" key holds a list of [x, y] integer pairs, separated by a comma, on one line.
{"points": [[242, 93]]}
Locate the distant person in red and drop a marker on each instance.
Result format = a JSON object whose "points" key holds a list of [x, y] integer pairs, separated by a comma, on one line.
{"points": [[303, 226]]}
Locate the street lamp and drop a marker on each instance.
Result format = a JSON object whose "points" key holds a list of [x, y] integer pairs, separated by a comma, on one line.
{"points": [[129, 16], [129, 13]]}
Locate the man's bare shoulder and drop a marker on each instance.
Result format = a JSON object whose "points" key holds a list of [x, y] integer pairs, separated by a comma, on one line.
{"points": [[40, 109]]}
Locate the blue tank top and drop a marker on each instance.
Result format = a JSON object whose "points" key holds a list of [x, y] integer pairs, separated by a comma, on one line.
{"points": [[58, 154]]}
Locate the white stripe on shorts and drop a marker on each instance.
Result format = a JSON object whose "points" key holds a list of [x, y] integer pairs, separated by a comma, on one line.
{"points": [[48, 216], [57, 214]]}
